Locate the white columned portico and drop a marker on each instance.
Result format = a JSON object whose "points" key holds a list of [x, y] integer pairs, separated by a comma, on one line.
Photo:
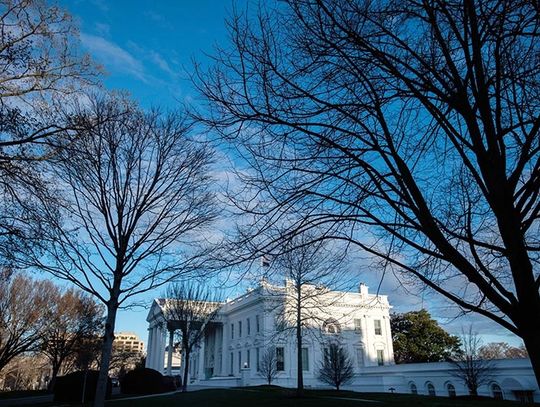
{"points": [[161, 349], [170, 352]]}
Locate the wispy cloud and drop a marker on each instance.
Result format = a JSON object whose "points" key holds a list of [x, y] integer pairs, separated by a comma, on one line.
{"points": [[114, 57]]}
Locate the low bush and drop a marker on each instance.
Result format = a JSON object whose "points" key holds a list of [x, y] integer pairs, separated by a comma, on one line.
{"points": [[72, 386], [146, 381]]}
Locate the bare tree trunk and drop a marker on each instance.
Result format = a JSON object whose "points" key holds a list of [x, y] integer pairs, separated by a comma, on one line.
{"points": [[300, 373], [106, 351], [55, 369], [186, 372]]}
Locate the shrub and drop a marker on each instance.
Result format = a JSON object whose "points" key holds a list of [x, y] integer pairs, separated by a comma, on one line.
{"points": [[146, 381], [70, 387]]}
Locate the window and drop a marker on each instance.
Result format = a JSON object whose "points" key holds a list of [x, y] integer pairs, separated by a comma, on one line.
{"points": [[451, 390], [380, 357], [360, 356], [331, 326], [358, 326], [258, 323], [232, 331], [232, 363], [413, 388], [305, 359], [378, 328], [248, 327], [239, 329], [280, 324], [257, 352], [496, 391], [248, 358], [239, 361], [431, 389], [280, 359]]}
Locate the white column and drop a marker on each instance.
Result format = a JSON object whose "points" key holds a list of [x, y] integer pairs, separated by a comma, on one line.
{"points": [[170, 352], [161, 350], [201, 357], [155, 348], [149, 345], [225, 349]]}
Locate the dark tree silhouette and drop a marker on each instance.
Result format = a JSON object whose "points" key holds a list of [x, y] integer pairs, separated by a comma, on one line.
{"points": [[410, 129], [336, 367], [268, 365], [190, 307], [24, 311], [41, 65], [137, 198], [311, 270], [469, 365], [73, 318]]}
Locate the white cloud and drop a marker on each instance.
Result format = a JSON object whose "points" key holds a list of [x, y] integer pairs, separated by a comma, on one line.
{"points": [[113, 56]]}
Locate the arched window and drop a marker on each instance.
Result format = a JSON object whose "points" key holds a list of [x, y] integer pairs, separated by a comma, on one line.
{"points": [[497, 392], [430, 389], [331, 326], [451, 390], [413, 388]]}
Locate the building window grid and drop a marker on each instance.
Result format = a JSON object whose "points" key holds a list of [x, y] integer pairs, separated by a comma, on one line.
{"points": [[280, 359], [239, 329], [380, 357], [248, 357], [378, 327], [239, 361], [248, 327], [305, 359], [258, 322], [232, 331]]}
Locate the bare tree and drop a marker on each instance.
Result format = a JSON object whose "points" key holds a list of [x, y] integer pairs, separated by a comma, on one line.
{"points": [[268, 365], [73, 318], [311, 270], [24, 306], [190, 307], [40, 65], [137, 201], [502, 350], [336, 367], [468, 364], [410, 129]]}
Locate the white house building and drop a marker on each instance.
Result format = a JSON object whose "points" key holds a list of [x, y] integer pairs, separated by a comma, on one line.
{"points": [[246, 326]]}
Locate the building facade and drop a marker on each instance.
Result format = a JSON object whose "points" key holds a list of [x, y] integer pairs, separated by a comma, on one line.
{"points": [[247, 326], [128, 342], [263, 318]]}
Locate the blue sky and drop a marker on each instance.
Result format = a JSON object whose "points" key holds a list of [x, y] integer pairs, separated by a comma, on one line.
{"points": [[146, 48]]}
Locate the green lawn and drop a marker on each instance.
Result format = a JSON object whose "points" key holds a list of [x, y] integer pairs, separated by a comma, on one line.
{"points": [[263, 396]]}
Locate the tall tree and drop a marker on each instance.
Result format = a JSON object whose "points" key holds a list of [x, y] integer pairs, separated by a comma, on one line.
{"points": [[469, 365], [418, 338], [73, 319], [190, 307], [137, 200], [311, 270], [410, 129], [24, 308], [336, 367], [40, 65]]}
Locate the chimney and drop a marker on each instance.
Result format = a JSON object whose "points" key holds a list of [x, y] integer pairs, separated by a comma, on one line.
{"points": [[363, 289]]}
